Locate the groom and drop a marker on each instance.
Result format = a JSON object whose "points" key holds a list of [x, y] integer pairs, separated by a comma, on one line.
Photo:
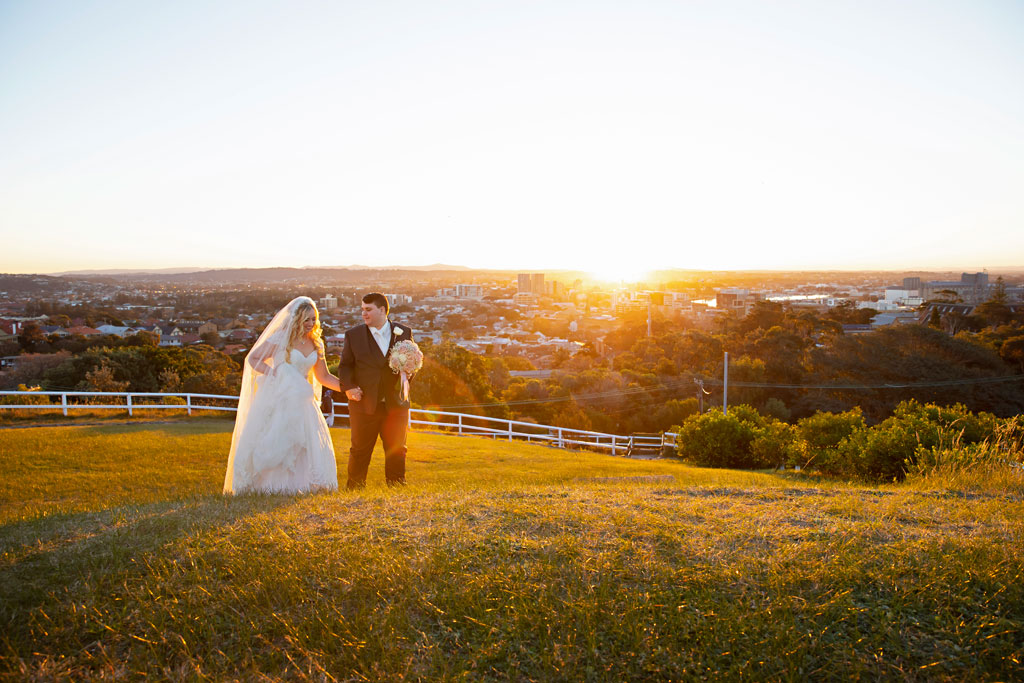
{"points": [[375, 405]]}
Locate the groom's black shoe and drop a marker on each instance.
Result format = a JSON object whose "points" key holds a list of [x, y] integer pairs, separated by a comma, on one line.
{"points": [[355, 485], [396, 482]]}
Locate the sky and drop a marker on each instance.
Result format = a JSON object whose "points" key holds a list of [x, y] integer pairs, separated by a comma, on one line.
{"points": [[611, 137]]}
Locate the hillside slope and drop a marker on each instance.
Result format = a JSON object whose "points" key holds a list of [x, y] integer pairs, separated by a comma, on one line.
{"points": [[120, 558]]}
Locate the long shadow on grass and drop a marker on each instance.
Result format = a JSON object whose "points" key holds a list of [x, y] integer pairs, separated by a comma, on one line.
{"points": [[41, 557]]}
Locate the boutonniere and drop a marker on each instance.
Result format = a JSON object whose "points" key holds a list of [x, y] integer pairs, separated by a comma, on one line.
{"points": [[396, 330]]}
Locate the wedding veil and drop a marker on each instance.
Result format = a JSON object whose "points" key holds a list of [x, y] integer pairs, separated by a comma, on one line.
{"points": [[260, 385]]}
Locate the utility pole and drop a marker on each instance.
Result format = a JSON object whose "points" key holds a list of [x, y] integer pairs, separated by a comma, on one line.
{"points": [[701, 392], [725, 386]]}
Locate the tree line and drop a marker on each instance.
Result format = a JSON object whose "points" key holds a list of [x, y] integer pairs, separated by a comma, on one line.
{"points": [[786, 364]]}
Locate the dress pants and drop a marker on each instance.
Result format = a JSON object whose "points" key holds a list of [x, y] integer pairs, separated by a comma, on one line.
{"points": [[390, 425]]}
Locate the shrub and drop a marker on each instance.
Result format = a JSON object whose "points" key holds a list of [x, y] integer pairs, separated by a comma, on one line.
{"points": [[883, 452], [716, 440], [889, 449], [747, 414], [819, 437], [969, 427], [775, 444], [23, 400], [996, 464]]}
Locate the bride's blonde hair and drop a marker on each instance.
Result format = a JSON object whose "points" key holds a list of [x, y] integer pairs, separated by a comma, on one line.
{"points": [[295, 330]]}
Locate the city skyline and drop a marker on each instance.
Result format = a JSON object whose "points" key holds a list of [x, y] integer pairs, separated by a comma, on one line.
{"points": [[613, 140]]}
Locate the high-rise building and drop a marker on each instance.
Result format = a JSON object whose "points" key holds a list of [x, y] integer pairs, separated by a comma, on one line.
{"points": [[979, 280], [537, 283], [912, 283], [524, 283], [554, 288]]}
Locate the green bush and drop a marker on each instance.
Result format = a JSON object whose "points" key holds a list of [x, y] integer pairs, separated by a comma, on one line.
{"points": [[819, 437], [884, 452], [748, 415], [23, 400], [775, 444], [956, 419], [717, 440], [174, 401], [840, 443], [995, 464]]}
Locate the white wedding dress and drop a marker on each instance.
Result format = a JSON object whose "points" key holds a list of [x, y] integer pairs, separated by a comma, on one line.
{"points": [[282, 443]]}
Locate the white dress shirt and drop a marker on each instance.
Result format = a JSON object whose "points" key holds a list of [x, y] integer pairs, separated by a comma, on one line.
{"points": [[382, 337]]}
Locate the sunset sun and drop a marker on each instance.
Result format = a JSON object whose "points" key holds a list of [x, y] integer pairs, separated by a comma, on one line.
{"points": [[623, 272]]}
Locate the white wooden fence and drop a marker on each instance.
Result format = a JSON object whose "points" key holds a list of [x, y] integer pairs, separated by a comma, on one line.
{"points": [[419, 418]]}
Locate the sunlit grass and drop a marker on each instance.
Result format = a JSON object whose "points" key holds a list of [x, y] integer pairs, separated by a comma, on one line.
{"points": [[121, 559]]}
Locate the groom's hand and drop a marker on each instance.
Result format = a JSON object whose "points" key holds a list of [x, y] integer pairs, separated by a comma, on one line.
{"points": [[354, 394]]}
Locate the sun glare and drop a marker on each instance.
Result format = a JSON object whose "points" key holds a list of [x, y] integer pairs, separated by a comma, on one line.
{"points": [[619, 274]]}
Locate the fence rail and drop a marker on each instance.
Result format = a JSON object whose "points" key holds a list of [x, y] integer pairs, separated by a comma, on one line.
{"points": [[419, 418]]}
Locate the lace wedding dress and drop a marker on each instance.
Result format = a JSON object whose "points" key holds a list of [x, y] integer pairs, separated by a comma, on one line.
{"points": [[281, 442]]}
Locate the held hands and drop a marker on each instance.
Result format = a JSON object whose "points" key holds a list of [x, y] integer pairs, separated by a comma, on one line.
{"points": [[354, 394]]}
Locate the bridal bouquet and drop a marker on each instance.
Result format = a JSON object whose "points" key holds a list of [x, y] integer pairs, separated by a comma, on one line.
{"points": [[406, 359]]}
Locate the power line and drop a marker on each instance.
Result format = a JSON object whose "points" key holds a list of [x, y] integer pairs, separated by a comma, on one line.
{"points": [[872, 387], [598, 396]]}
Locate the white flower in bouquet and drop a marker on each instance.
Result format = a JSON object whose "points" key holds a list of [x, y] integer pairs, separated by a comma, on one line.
{"points": [[405, 359]]}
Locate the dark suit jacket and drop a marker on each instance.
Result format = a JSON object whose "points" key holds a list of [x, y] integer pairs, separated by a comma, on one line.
{"points": [[364, 366]]}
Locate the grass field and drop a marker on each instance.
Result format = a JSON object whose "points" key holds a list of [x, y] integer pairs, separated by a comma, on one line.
{"points": [[119, 558]]}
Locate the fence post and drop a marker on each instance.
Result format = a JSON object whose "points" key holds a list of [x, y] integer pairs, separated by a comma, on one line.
{"points": [[510, 430], [64, 403], [460, 423], [614, 448], [560, 438], [129, 405], [188, 402]]}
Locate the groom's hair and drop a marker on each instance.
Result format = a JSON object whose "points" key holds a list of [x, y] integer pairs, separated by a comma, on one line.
{"points": [[378, 300]]}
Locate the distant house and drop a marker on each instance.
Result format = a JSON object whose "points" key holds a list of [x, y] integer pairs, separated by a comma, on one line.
{"points": [[8, 330], [233, 348], [239, 335], [152, 329], [206, 328], [435, 337], [186, 339], [57, 330], [118, 330], [857, 328], [889, 318], [84, 331]]}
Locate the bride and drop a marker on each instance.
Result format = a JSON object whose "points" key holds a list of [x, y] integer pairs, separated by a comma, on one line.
{"points": [[281, 443]]}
